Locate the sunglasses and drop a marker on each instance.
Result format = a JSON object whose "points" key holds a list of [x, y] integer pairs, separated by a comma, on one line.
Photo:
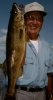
{"points": [[34, 17]]}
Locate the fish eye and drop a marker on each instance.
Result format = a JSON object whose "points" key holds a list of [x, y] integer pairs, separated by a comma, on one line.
{"points": [[15, 12]]}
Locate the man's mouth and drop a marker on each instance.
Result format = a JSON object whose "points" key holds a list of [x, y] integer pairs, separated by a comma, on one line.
{"points": [[34, 26]]}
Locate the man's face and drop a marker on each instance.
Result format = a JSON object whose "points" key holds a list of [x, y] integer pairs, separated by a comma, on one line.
{"points": [[33, 23]]}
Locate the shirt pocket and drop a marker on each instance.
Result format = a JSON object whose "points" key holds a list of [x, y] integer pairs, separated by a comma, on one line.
{"points": [[29, 60]]}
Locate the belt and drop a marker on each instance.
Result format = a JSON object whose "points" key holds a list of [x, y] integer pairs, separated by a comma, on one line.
{"points": [[29, 89]]}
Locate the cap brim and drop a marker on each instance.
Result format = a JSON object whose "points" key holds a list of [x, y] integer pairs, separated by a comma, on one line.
{"points": [[43, 12]]}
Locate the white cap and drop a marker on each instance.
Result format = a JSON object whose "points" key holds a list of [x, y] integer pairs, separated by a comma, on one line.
{"points": [[34, 7]]}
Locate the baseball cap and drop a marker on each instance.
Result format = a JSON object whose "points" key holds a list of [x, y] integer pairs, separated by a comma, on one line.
{"points": [[34, 6]]}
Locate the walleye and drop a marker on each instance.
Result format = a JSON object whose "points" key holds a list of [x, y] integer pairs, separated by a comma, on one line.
{"points": [[15, 47]]}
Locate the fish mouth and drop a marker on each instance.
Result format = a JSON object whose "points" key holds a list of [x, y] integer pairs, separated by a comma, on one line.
{"points": [[15, 8], [15, 5]]}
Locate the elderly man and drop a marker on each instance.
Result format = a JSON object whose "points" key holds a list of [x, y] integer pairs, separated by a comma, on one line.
{"points": [[39, 58], [38, 67]]}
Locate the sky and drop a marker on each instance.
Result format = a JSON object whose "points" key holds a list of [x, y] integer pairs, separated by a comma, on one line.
{"points": [[5, 8]]}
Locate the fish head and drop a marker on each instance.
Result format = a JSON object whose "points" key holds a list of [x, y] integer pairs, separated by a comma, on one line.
{"points": [[17, 14]]}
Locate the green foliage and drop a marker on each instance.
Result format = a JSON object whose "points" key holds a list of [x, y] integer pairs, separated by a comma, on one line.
{"points": [[1, 65]]}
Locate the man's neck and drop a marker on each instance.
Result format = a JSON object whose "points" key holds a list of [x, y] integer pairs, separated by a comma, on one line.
{"points": [[36, 38]]}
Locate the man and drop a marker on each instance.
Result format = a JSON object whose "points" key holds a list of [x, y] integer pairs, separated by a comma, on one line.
{"points": [[39, 58], [38, 67]]}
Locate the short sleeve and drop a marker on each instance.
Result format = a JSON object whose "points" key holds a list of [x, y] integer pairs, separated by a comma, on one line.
{"points": [[50, 66]]}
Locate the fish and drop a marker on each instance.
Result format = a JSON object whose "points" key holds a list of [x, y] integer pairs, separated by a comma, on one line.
{"points": [[15, 48]]}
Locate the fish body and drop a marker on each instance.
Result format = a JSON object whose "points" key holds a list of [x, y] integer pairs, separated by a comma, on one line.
{"points": [[15, 48]]}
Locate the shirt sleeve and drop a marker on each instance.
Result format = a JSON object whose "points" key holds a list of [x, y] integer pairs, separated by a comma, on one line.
{"points": [[50, 66]]}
